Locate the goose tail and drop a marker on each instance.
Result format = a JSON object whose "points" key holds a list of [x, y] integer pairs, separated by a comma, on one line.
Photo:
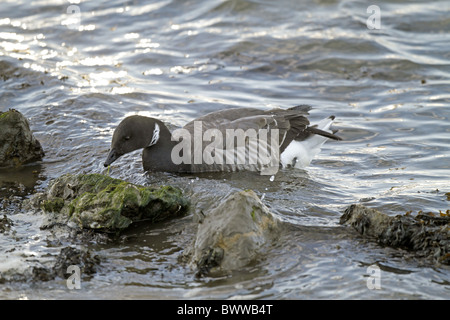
{"points": [[299, 154]]}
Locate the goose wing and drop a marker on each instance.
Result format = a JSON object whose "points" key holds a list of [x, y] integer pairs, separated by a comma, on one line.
{"points": [[291, 122]]}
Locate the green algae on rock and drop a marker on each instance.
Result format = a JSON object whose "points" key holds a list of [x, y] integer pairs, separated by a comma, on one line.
{"points": [[99, 202], [18, 146]]}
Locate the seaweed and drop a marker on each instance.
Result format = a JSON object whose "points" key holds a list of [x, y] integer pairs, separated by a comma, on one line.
{"points": [[426, 234]]}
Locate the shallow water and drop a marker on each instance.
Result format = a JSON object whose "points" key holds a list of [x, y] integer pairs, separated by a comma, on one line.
{"points": [[177, 60]]}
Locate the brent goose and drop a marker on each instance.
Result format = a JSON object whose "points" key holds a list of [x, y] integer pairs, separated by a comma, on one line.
{"points": [[227, 140]]}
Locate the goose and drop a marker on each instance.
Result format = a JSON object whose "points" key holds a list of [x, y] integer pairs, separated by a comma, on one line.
{"points": [[226, 140]]}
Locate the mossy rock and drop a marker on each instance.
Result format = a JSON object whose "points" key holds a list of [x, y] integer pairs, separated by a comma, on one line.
{"points": [[18, 146], [95, 201]]}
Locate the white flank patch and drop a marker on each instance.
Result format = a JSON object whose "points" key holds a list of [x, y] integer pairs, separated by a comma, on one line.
{"points": [[299, 154], [155, 136]]}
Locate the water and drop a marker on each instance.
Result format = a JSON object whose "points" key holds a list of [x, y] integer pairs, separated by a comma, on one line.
{"points": [[176, 60]]}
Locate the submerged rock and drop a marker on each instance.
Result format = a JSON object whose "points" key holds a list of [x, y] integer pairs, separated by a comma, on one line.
{"points": [[95, 201], [17, 143], [83, 259], [5, 224], [68, 256], [37, 270], [425, 234], [233, 234]]}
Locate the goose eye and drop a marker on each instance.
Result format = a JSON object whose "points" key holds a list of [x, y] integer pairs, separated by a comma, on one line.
{"points": [[127, 138]]}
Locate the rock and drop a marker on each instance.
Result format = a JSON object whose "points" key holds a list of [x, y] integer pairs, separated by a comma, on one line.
{"points": [[70, 256], [5, 224], [233, 234], [17, 143], [95, 201], [426, 235], [83, 258], [42, 274]]}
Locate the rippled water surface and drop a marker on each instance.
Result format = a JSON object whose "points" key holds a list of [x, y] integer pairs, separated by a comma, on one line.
{"points": [[75, 79]]}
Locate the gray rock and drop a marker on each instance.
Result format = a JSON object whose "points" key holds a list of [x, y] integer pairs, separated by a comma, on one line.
{"points": [[17, 143], [84, 259], [233, 234]]}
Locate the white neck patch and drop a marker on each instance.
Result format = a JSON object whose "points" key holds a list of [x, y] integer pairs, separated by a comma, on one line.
{"points": [[155, 136]]}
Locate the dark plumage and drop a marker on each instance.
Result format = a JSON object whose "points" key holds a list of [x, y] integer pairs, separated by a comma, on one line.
{"points": [[152, 135]]}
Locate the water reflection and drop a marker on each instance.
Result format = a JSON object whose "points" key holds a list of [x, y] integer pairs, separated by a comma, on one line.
{"points": [[20, 181]]}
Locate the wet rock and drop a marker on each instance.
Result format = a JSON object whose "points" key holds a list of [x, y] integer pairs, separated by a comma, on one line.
{"points": [[42, 274], [425, 234], [17, 143], [233, 234], [70, 256], [98, 202], [83, 258], [5, 224]]}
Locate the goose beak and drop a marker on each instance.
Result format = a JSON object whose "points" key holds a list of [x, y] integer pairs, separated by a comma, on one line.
{"points": [[112, 156]]}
